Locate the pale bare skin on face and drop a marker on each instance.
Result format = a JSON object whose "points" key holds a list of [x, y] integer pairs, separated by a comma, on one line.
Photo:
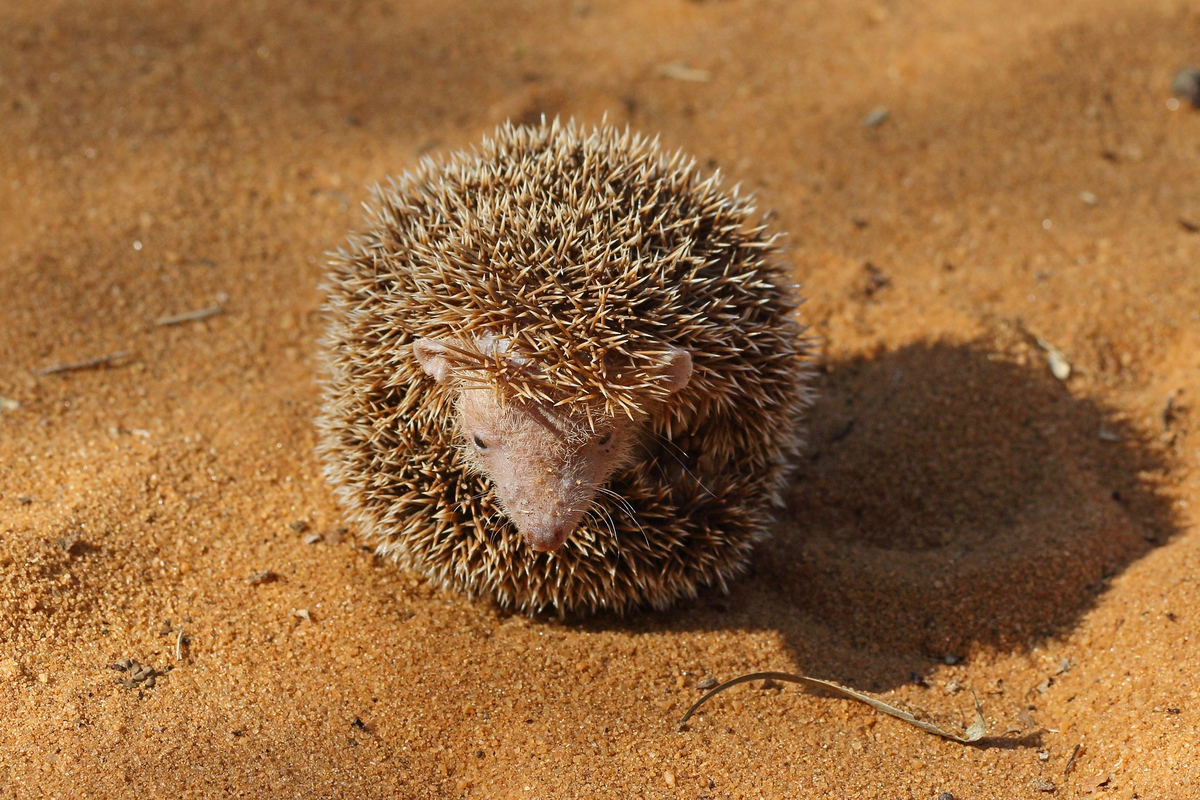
{"points": [[545, 467]]}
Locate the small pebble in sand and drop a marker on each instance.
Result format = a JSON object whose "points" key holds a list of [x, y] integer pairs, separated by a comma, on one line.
{"points": [[1060, 367], [1088, 198], [669, 777], [876, 117], [945, 796], [706, 684], [950, 659], [1043, 785], [299, 526], [1186, 84]]}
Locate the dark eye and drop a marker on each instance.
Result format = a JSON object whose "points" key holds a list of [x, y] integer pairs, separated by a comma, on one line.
{"points": [[480, 444], [605, 439]]}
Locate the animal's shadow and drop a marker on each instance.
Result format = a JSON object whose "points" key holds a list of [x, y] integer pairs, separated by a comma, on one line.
{"points": [[950, 497]]}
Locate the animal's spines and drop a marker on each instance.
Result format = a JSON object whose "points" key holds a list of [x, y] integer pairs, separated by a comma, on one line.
{"points": [[592, 253], [677, 219]]}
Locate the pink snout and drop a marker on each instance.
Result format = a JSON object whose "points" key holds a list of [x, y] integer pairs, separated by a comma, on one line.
{"points": [[544, 538]]}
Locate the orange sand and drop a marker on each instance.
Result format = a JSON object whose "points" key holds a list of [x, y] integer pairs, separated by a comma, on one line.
{"points": [[956, 499]]}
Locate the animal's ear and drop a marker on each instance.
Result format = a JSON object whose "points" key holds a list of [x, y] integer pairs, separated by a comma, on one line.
{"points": [[677, 369], [435, 357]]}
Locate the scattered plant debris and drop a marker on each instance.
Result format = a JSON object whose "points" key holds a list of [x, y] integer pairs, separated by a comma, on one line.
{"points": [[190, 316], [682, 72], [102, 361], [266, 576], [976, 731], [1071, 761]]}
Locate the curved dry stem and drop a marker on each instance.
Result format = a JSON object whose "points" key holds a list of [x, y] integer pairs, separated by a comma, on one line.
{"points": [[976, 731]]}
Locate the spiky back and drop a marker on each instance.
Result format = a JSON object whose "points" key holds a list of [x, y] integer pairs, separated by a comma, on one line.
{"points": [[590, 252]]}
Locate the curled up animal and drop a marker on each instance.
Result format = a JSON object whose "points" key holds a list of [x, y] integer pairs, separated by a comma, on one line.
{"points": [[562, 370]]}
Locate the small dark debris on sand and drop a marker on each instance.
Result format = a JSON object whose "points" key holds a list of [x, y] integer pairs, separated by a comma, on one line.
{"points": [[266, 576], [876, 117], [1071, 761], [139, 674], [1185, 83]]}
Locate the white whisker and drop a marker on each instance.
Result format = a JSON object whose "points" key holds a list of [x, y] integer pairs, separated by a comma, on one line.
{"points": [[672, 453]]}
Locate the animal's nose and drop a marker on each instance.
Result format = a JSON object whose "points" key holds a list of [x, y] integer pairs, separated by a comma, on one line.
{"points": [[549, 537]]}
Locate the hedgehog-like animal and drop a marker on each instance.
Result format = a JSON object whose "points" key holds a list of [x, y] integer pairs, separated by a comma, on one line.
{"points": [[562, 371]]}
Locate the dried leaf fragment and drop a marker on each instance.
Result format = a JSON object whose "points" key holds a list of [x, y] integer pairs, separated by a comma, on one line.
{"points": [[682, 72]]}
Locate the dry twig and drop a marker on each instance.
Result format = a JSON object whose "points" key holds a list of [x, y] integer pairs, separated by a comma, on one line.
{"points": [[974, 733], [91, 362], [190, 316]]}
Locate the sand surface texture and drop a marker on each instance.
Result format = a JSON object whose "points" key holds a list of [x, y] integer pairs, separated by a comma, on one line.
{"points": [[962, 521]]}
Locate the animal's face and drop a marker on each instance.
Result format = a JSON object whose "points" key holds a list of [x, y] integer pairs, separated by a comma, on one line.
{"points": [[545, 467]]}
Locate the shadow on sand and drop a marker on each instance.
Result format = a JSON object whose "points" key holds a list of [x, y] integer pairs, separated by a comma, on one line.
{"points": [[950, 499]]}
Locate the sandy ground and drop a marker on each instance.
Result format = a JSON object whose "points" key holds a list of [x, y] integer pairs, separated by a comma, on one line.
{"points": [[962, 520]]}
